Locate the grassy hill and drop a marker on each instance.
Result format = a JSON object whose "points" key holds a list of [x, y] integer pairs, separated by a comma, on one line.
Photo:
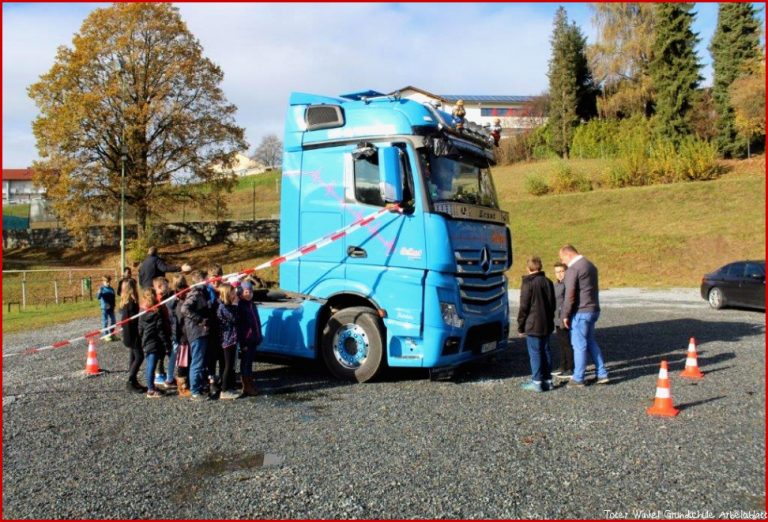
{"points": [[662, 235]]}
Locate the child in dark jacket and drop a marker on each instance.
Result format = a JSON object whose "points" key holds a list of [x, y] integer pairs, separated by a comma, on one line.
{"points": [[106, 297], [179, 341], [154, 339], [129, 306], [227, 314], [248, 335], [536, 320]]}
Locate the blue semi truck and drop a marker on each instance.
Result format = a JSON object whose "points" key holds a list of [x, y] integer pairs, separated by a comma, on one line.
{"points": [[423, 286]]}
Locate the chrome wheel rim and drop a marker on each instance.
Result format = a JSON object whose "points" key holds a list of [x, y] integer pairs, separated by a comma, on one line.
{"points": [[350, 346], [715, 298]]}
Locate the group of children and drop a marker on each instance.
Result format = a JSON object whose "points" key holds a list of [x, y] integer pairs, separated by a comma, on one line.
{"points": [[192, 342]]}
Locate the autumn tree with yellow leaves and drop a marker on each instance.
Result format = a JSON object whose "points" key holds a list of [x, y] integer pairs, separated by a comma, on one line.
{"points": [[133, 91]]}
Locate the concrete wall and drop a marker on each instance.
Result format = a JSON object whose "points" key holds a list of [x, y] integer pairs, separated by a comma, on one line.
{"points": [[201, 233]]}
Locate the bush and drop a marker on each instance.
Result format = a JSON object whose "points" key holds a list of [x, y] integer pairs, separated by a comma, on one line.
{"points": [[663, 162], [536, 185], [526, 146], [697, 160], [595, 139], [136, 250], [565, 180]]}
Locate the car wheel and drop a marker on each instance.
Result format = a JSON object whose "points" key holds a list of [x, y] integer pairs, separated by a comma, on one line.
{"points": [[353, 343], [716, 298]]}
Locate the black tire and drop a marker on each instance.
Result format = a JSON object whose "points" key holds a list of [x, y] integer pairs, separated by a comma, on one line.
{"points": [[716, 298], [352, 345]]}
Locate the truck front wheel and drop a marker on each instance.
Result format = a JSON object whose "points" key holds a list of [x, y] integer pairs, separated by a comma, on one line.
{"points": [[352, 344]]}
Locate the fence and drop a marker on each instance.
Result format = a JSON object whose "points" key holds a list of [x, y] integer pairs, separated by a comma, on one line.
{"points": [[254, 197], [23, 288]]}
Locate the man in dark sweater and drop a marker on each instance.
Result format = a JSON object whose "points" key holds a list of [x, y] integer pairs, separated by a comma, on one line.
{"points": [[153, 266], [535, 320], [581, 310]]}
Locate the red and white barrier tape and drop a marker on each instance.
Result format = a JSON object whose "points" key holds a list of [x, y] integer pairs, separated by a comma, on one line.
{"points": [[290, 256]]}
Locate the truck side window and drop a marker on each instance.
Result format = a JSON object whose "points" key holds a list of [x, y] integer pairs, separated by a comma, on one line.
{"points": [[367, 181]]}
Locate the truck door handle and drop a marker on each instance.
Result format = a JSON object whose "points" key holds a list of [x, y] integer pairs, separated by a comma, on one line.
{"points": [[355, 251]]}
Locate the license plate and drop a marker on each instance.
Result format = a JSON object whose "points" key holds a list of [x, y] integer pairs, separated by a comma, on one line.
{"points": [[487, 347]]}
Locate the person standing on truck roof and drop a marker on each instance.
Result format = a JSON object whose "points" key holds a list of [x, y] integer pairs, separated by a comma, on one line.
{"points": [[197, 316], [153, 266], [535, 320], [496, 131], [565, 368], [581, 310]]}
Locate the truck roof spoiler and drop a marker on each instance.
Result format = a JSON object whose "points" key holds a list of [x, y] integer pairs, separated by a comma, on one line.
{"points": [[357, 96]]}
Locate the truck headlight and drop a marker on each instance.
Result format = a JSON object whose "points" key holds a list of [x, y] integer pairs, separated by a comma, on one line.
{"points": [[450, 315]]}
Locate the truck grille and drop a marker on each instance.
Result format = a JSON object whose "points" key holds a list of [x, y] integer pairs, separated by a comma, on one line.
{"points": [[481, 279]]}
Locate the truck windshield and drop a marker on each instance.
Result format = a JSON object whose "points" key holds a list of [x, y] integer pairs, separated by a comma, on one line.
{"points": [[459, 178]]}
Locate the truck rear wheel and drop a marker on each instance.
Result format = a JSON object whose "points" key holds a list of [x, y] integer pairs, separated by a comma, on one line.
{"points": [[352, 344]]}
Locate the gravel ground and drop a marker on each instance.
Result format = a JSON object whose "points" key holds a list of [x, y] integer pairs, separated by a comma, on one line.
{"points": [[475, 446]]}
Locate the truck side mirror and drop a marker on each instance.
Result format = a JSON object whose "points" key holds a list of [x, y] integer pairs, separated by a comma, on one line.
{"points": [[390, 175]]}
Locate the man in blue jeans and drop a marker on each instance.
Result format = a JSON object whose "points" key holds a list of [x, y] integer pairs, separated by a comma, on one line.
{"points": [[581, 310], [196, 312]]}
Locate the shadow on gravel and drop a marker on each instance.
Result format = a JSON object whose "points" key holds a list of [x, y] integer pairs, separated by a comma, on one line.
{"points": [[687, 405], [631, 351], [636, 350]]}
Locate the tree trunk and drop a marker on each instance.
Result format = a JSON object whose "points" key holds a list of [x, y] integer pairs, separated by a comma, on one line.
{"points": [[141, 220]]}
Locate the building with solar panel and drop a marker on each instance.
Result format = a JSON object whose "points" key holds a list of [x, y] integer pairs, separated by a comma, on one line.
{"points": [[514, 112]]}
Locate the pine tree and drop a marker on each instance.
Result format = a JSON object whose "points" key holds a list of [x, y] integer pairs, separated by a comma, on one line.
{"points": [[674, 69], [735, 44], [571, 88]]}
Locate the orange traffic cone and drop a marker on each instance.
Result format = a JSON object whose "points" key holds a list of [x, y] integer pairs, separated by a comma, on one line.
{"points": [[691, 370], [91, 364], [663, 403]]}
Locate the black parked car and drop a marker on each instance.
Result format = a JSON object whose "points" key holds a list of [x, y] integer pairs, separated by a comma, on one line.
{"points": [[736, 284]]}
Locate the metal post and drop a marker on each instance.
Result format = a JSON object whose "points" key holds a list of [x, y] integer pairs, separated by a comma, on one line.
{"points": [[253, 218], [123, 157], [56, 291], [24, 292]]}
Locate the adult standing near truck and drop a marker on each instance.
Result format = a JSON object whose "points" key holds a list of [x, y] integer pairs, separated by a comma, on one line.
{"points": [[535, 320], [581, 310], [154, 266], [565, 368]]}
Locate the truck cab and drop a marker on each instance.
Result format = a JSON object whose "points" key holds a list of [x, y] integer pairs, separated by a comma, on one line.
{"points": [[424, 285]]}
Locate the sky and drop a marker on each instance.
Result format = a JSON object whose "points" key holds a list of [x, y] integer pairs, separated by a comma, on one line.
{"points": [[269, 50]]}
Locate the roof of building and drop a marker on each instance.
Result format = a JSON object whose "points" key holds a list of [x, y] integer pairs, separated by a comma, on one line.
{"points": [[494, 98], [17, 174], [469, 98]]}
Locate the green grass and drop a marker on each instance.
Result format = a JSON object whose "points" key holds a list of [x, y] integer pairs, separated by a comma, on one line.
{"points": [[38, 316], [20, 210], [655, 236]]}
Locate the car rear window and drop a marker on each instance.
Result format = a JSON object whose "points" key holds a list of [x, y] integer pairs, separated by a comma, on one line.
{"points": [[733, 270]]}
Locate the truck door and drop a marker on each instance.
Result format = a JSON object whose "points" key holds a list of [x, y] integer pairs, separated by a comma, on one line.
{"points": [[387, 259], [322, 202]]}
